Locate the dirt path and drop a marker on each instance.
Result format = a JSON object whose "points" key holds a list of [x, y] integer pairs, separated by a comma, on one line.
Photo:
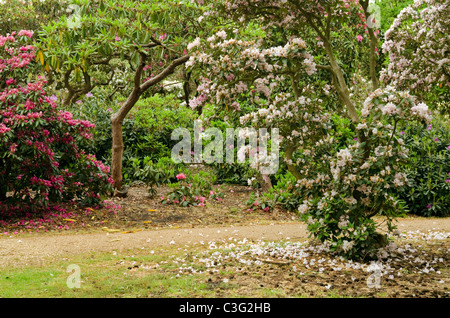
{"points": [[22, 251]]}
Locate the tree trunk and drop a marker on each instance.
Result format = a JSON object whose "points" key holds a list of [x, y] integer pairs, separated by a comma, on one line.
{"points": [[117, 141], [373, 45], [290, 165], [117, 153], [118, 118], [186, 87], [373, 60], [265, 182], [340, 84]]}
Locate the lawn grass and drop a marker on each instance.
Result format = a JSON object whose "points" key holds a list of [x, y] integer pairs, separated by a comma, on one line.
{"points": [[197, 271], [127, 274], [105, 275]]}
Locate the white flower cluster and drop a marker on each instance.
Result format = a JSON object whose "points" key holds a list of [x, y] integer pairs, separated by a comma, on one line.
{"points": [[247, 59], [400, 179], [343, 222], [418, 52], [344, 156], [394, 103]]}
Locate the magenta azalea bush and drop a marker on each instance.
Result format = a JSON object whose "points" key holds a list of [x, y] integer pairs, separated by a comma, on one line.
{"points": [[41, 161]]}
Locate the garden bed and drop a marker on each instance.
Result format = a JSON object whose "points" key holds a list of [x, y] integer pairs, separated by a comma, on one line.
{"points": [[138, 211]]}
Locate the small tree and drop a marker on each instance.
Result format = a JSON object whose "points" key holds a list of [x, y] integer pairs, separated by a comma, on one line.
{"points": [[40, 160], [147, 38], [274, 69]]}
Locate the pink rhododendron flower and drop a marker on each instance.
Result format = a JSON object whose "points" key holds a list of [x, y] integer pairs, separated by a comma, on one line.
{"points": [[180, 176], [10, 81], [27, 33]]}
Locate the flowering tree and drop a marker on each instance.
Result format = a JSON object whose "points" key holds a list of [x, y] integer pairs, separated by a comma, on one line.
{"points": [[274, 69], [145, 38], [417, 45], [40, 158]]}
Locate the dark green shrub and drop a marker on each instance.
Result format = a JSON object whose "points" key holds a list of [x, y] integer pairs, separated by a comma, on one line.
{"points": [[428, 172], [162, 172], [283, 194], [146, 132], [155, 118], [232, 173]]}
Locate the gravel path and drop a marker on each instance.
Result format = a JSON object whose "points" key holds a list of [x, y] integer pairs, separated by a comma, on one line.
{"points": [[22, 251]]}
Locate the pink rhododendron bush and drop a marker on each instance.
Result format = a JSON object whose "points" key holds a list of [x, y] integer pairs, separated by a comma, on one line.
{"points": [[41, 161]]}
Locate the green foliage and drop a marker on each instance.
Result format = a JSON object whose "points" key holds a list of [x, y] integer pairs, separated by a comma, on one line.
{"points": [[97, 109], [192, 189], [428, 171], [284, 192], [103, 43], [389, 11], [17, 15], [232, 173], [154, 119], [343, 131], [203, 180], [184, 195], [263, 203], [155, 174], [146, 131]]}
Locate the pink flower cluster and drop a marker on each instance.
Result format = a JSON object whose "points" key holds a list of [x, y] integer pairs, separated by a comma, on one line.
{"points": [[4, 129], [34, 135], [200, 199], [16, 60]]}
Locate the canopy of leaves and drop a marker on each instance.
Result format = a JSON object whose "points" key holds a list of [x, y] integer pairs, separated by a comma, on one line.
{"points": [[101, 41]]}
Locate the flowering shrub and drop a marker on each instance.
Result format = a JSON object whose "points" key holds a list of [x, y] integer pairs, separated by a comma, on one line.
{"points": [[184, 194], [358, 182], [41, 162], [417, 45], [155, 174], [255, 203], [259, 64], [192, 190], [342, 187]]}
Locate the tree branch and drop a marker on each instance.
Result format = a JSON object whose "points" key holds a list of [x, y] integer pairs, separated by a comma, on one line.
{"points": [[166, 72], [373, 46]]}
